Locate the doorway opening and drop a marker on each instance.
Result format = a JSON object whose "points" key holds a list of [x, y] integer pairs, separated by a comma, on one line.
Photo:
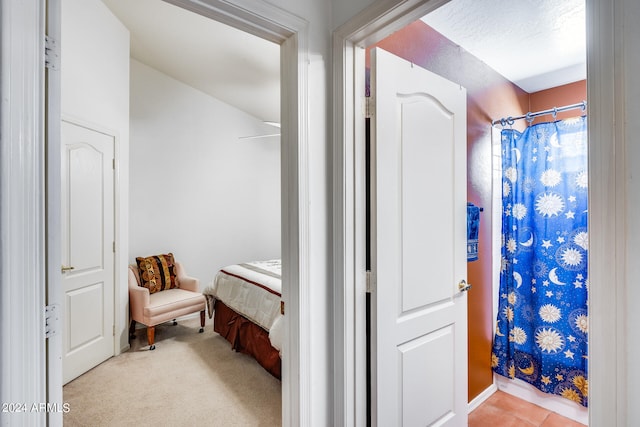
{"points": [[377, 28], [288, 32]]}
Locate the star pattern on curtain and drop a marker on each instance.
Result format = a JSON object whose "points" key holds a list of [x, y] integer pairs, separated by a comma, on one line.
{"points": [[542, 323]]}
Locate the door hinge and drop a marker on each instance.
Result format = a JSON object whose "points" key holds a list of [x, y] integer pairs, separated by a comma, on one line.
{"points": [[370, 282], [114, 247], [51, 53], [114, 330], [282, 307], [113, 163], [52, 320], [368, 107]]}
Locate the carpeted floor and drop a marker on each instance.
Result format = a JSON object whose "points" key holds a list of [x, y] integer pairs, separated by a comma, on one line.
{"points": [[189, 379]]}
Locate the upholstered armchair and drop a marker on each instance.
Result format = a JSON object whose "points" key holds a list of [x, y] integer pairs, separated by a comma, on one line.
{"points": [[152, 307]]}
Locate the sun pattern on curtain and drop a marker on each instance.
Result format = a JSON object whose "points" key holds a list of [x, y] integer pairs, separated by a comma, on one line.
{"points": [[542, 324]]}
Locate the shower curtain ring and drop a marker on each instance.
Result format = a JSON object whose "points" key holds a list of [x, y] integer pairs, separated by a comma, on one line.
{"points": [[555, 112], [510, 121], [503, 122], [529, 117], [584, 106]]}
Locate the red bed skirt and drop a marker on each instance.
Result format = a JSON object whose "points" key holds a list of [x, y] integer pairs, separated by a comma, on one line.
{"points": [[246, 337]]}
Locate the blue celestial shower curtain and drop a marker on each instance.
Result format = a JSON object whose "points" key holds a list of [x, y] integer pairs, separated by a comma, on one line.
{"points": [[542, 323]]}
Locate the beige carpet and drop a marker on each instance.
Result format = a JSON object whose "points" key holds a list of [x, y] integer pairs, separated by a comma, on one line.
{"points": [[189, 379]]}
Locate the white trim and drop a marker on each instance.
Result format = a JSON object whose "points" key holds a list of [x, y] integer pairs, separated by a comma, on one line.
{"points": [[55, 294], [607, 207], [349, 376], [121, 312], [607, 232], [482, 397], [350, 407], [383, 18], [22, 209], [291, 32], [296, 372]]}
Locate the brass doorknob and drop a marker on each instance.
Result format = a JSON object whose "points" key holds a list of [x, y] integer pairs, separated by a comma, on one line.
{"points": [[66, 268], [463, 286]]}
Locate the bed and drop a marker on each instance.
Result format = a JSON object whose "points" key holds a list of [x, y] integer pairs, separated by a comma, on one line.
{"points": [[244, 301]]}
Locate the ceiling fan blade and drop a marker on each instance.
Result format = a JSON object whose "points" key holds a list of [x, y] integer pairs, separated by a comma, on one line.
{"points": [[259, 136]]}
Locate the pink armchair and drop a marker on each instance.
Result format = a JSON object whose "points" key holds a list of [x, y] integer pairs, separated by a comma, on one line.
{"points": [[159, 307]]}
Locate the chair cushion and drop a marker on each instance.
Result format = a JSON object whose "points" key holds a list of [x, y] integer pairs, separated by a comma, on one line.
{"points": [[157, 272], [173, 300]]}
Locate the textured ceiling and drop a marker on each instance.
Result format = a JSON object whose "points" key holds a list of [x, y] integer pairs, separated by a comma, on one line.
{"points": [[237, 68], [537, 44]]}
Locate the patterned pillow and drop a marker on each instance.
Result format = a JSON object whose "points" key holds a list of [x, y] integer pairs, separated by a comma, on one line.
{"points": [[157, 273]]}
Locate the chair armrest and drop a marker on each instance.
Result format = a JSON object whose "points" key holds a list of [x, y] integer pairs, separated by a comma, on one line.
{"points": [[138, 298], [185, 282], [189, 284]]}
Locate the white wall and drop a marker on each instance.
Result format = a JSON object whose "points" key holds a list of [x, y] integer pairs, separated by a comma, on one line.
{"points": [[95, 92], [196, 189]]}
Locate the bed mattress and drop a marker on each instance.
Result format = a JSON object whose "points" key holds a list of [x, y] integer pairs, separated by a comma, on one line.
{"points": [[254, 290]]}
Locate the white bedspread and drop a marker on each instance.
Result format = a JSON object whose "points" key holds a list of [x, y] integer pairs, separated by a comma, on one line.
{"points": [[253, 290]]}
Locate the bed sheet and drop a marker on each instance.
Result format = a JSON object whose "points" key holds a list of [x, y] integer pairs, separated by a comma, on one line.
{"points": [[254, 290]]}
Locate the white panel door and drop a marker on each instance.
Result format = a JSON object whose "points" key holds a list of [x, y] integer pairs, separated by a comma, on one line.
{"points": [[87, 248], [418, 247]]}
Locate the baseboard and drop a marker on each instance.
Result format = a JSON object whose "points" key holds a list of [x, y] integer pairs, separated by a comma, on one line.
{"points": [[554, 403], [479, 399]]}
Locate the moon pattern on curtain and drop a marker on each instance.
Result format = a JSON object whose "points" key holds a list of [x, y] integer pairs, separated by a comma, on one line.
{"points": [[542, 323]]}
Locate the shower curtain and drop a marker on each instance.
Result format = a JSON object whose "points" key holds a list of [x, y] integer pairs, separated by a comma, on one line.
{"points": [[542, 323]]}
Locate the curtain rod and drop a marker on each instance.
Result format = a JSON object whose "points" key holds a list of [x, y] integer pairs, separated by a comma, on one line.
{"points": [[529, 116]]}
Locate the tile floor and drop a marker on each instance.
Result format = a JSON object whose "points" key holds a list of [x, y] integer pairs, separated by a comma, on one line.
{"points": [[505, 410]]}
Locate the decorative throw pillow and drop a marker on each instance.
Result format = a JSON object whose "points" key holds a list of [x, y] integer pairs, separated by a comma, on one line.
{"points": [[157, 272]]}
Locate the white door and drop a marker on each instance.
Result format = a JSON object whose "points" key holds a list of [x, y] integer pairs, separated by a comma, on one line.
{"points": [[418, 247], [87, 248]]}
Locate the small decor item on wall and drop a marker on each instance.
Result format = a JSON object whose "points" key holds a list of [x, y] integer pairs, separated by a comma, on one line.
{"points": [[473, 227]]}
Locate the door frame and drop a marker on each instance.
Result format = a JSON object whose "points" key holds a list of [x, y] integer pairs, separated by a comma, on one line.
{"points": [[22, 207], [28, 254], [606, 210]]}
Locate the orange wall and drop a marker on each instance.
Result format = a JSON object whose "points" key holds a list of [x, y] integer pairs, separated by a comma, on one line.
{"points": [[489, 96], [572, 93]]}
